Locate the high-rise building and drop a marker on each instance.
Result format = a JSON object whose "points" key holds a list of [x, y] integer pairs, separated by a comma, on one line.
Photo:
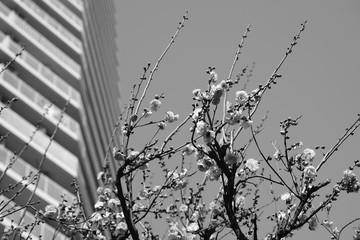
{"points": [[68, 58]]}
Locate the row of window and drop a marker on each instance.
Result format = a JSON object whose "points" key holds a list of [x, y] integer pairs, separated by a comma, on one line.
{"points": [[34, 34], [46, 18], [41, 102], [43, 230], [78, 3], [22, 168], [55, 81], [56, 153], [70, 16]]}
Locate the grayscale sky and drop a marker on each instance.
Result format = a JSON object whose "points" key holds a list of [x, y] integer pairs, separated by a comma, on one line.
{"points": [[320, 79]]}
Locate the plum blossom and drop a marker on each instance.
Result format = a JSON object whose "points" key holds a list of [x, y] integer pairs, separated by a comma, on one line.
{"points": [[100, 203], [161, 125], [156, 189], [305, 158], [357, 233], [189, 149], [205, 164], [213, 173], [51, 211], [171, 208], [277, 155], [313, 224], [144, 194], [350, 182], [328, 224], [196, 113], [310, 173], [197, 93], [240, 200], [171, 117], [118, 155], [200, 166], [138, 206], [224, 85], [183, 208], [233, 117], [213, 76], [179, 181], [133, 155], [252, 164], [214, 207], [200, 152], [201, 128], [209, 136], [241, 97], [174, 232], [208, 162], [281, 216], [217, 92], [143, 162], [155, 105], [308, 155], [299, 145], [147, 112], [113, 203], [174, 236], [192, 227], [286, 196], [122, 226]]}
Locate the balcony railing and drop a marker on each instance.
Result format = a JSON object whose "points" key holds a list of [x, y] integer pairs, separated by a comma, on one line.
{"points": [[51, 48], [56, 153], [67, 14], [47, 188], [52, 24], [46, 75], [44, 229], [4, 10], [42, 43], [41, 103], [79, 4]]}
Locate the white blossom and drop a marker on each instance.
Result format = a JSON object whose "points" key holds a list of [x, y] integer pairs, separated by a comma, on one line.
{"points": [[252, 164], [155, 105], [171, 117], [241, 97]]}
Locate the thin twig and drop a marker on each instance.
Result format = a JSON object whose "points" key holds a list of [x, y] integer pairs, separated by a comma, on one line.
{"points": [[13, 59], [274, 75], [174, 132], [349, 132], [156, 67], [43, 158]]}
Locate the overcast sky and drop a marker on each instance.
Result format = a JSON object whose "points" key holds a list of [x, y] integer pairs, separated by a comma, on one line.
{"points": [[320, 79]]}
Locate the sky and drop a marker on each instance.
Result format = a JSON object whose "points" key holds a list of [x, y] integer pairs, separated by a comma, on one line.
{"points": [[320, 80]]}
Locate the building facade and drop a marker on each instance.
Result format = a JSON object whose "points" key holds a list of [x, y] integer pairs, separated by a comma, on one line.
{"points": [[65, 80]]}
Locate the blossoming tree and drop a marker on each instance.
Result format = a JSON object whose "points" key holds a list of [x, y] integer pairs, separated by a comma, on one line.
{"points": [[214, 188]]}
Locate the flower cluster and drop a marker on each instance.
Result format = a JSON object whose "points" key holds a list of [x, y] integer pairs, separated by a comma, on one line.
{"points": [[305, 158], [171, 117], [178, 181], [206, 164], [252, 165], [155, 105], [350, 183], [234, 114]]}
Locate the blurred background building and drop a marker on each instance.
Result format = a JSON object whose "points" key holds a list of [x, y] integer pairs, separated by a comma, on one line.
{"points": [[70, 55]]}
